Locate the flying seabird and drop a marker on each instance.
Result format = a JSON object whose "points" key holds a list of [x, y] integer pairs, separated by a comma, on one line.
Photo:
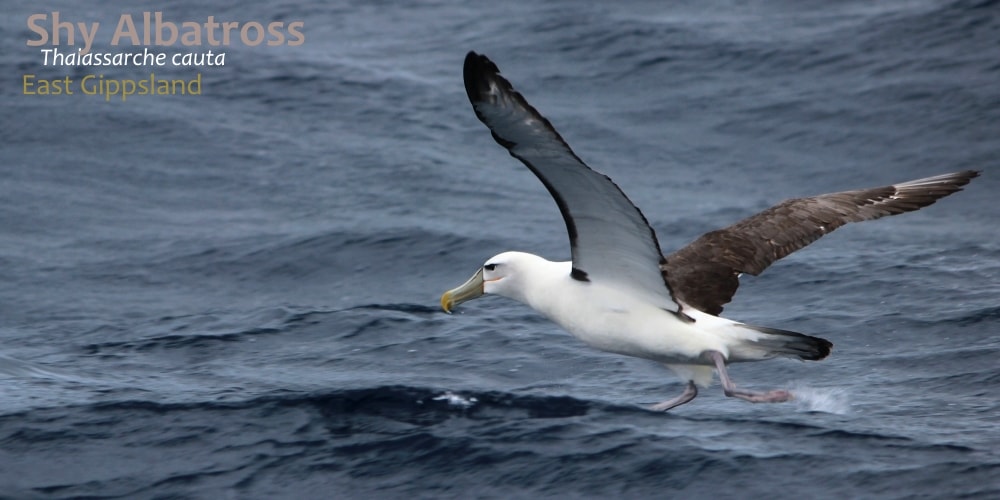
{"points": [[619, 293]]}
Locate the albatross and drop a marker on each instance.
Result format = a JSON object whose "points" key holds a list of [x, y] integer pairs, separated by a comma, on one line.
{"points": [[620, 294]]}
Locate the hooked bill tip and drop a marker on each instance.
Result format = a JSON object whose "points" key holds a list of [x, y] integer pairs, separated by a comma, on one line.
{"points": [[446, 302]]}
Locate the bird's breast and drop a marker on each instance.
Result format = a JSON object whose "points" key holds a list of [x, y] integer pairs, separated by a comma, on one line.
{"points": [[613, 321]]}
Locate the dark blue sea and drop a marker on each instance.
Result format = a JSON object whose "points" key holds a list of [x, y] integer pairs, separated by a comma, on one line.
{"points": [[235, 294]]}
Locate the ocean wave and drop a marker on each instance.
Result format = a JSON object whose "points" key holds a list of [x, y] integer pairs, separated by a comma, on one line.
{"points": [[416, 405], [402, 439], [976, 316], [209, 330]]}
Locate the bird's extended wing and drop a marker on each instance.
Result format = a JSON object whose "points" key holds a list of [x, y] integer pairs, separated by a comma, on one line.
{"points": [[610, 239], [705, 273]]}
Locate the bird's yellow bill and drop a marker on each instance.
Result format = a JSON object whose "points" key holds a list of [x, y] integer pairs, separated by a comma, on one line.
{"points": [[467, 291]]}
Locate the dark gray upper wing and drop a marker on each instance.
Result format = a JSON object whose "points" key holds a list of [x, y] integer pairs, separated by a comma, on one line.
{"points": [[705, 273], [610, 239]]}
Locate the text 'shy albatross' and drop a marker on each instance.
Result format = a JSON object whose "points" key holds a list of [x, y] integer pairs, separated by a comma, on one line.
{"points": [[619, 294]]}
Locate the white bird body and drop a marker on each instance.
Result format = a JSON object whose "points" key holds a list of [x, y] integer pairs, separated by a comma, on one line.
{"points": [[615, 319], [620, 294]]}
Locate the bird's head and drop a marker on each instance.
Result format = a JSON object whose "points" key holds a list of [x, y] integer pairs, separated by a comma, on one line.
{"points": [[501, 275]]}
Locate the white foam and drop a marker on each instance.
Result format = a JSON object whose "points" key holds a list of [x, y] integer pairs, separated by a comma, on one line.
{"points": [[826, 399], [456, 400]]}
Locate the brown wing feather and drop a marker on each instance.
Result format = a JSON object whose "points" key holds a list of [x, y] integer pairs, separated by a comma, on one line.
{"points": [[704, 274]]}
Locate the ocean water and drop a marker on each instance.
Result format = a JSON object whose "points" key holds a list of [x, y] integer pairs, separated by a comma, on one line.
{"points": [[235, 294]]}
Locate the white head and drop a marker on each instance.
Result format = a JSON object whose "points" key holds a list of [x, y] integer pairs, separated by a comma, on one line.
{"points": [[506, 274]]}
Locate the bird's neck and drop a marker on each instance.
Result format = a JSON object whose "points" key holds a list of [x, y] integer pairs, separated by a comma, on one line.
{"points": [[541, 287]]}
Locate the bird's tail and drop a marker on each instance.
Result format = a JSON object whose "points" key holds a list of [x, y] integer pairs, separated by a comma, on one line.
{"points": [[771, 342], [755, 343]]}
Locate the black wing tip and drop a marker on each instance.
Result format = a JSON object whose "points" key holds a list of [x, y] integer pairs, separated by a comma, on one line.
{"points": [[474, 58], [920, 193], [952, 179], [478, 71], [485, 84], [964, 177]]}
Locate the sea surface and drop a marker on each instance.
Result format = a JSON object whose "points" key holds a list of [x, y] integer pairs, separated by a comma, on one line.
{"points": [[235, 294]]}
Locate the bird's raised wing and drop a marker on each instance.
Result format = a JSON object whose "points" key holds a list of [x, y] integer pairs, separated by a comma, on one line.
{"points": [[610, 239], [705, 273]]}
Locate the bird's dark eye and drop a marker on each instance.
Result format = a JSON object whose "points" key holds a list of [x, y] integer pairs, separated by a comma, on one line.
{"points": [[490, 267]]}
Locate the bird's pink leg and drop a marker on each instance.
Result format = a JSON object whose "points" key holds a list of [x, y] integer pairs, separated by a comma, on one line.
{"points": [[776, 396], [689, 393]]}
